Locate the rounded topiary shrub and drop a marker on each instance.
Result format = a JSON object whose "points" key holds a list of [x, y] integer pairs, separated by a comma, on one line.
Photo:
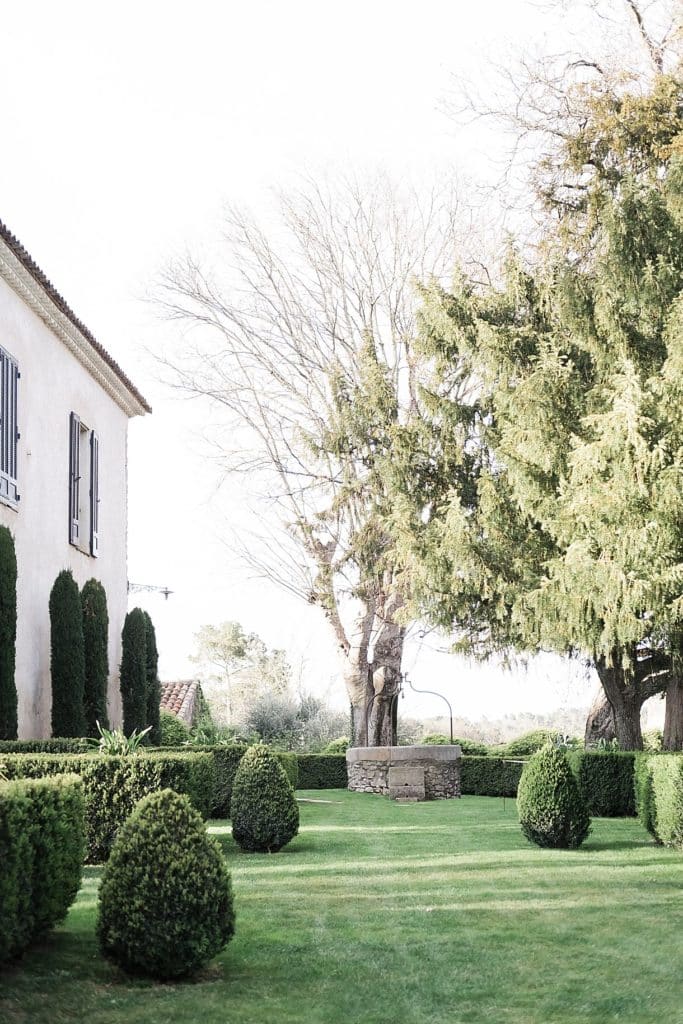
{"points": [[263, 808], [552, 811], [173, 731], [165, 899]]}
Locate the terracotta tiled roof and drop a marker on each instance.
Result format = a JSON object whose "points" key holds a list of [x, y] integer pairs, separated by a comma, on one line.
{"points": [[180, 699], [27, 261]]}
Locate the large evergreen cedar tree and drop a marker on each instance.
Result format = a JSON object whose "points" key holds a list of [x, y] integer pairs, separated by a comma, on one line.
{"points": [[566, 534], [67, 657], [96, 647], [165, 900], [153, 683], [263, 808], [133, 672], [8, 635]]}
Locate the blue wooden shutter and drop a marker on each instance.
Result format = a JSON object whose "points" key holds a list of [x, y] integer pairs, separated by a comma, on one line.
{"points": [[74, 477], [94, 493], [9, 433]]}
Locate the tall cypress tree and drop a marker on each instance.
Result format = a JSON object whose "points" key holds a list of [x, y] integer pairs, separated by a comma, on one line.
{"points": [[8, 635], [134, 671], [96, 636], [153, 684], [67, 660]]}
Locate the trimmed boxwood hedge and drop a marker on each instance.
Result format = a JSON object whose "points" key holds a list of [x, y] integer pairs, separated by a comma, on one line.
{"points": [[41, 853], [322, 771], [226, 760], [605, 779], [113, 785], [56, 745], [659, 792], [489, 776]]}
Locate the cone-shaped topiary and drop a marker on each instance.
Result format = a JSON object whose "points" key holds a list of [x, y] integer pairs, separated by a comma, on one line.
{"points": [[165, 899], [67, 657], [551, 810], [96, 640], [263, 808], [8, 635]]}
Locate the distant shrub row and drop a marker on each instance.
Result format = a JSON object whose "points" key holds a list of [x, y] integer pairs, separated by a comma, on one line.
{"points": [[113, 785], [41, 854]]}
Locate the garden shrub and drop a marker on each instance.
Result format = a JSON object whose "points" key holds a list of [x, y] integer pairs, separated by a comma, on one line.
{"points": [[489, 776], [264, 811], [665, 773], [605, 779], [173, 731], [67, 657], [467, 746], [290, 764], [643, 794], [552, 811], [338, 746], [41, 853], [56, 745], [529, 743], [133, 671], [322, 771], [8, 635], [153, 684], [96, 654], [165, 902], [113, 785]]}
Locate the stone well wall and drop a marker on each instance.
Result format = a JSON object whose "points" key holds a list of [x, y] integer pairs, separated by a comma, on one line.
{"points": [[368, 768]]}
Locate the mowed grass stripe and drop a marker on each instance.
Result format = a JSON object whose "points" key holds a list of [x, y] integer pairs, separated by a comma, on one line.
{"points": [[380, 913]]}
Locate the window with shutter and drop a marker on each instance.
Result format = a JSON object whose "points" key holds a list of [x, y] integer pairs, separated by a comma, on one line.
{"points": [[84, 486], [9, 430]]}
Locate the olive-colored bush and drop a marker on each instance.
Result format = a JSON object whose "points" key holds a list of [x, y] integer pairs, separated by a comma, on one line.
{"points": [[165, 900], [552, 811], [528, 743], [264, 811]]}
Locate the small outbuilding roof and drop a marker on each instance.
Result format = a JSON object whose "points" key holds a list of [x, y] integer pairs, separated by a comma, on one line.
{"points": [[181, 699]]}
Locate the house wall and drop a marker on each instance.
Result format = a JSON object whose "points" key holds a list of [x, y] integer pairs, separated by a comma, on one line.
{"points": [[53, 384]]}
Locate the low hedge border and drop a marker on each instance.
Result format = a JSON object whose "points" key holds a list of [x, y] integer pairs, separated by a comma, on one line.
{"points": [[41, 853], [322, 771], [659, 796], [489, 776], [605, 779], [62, 745], [113, 785]]}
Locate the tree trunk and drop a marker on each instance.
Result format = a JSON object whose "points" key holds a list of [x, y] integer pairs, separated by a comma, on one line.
{"points": [[628, 682], [600, 721], [622, 693], [672, 738]]}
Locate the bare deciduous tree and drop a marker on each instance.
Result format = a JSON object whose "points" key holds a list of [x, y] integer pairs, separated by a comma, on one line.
{"points": [[278, 336]]}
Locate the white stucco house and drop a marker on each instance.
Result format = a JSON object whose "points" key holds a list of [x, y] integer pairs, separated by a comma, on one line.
{"points": [[64, 411]]}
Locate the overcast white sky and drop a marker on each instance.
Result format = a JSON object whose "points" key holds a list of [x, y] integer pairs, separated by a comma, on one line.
{"points": [[125, 128]]}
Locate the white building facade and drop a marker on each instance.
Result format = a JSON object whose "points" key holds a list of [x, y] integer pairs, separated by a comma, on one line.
{"points": [[64, 411]]}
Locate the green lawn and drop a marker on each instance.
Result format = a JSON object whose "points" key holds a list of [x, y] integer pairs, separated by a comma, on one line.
{"points": [[380, 913]]}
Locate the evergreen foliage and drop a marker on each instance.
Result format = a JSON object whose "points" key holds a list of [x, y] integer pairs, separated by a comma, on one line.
{"points": [[153, 684], [660, 794], [96, 648], [552, 811], [173, 731], [489, 776], [41, 852], [8, 635], [322, 771], [67, 658], [561, 528], [133, 671], [264, 811], [606, 781], [113, 785], [529, 743], [165, 898]]}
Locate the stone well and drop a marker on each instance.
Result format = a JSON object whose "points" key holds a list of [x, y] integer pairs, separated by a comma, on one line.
{"points": [[422, 772]]}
